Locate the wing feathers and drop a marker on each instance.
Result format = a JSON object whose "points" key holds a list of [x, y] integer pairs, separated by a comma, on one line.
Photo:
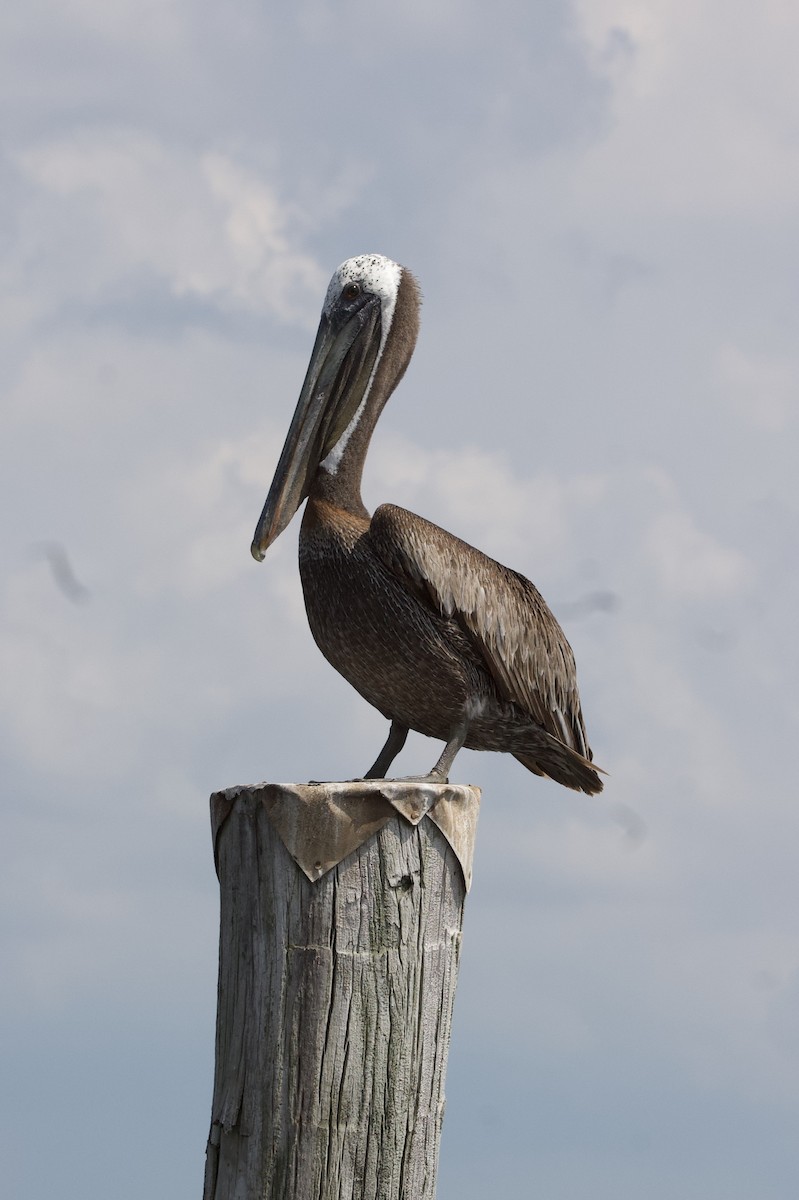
{"points": [[505, 615]]}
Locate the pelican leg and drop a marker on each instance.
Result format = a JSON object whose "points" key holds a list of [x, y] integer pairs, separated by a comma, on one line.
{"points": [[440, 772], [394, 743]]}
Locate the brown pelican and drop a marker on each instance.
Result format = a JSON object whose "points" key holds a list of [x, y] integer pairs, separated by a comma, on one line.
{"points": [[436, 635]]}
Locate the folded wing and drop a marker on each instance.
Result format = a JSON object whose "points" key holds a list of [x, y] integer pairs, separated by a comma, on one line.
{"points": [[504, 615]]}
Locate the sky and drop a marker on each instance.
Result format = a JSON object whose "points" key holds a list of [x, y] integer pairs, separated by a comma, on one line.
{"points": [[600, 200]]}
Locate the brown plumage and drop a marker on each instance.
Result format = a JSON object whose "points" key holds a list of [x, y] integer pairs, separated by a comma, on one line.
{"points": [[439, 637]]}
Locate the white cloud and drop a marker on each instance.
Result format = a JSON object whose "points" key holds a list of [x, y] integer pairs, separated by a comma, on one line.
{"points": [[116, 207], [690, 563], [704, 95]]}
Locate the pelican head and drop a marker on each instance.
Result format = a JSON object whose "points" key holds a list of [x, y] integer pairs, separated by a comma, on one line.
{"points": [[357, 317]]}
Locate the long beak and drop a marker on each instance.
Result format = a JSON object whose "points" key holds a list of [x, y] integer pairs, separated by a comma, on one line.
{"points": [[334, 383]]}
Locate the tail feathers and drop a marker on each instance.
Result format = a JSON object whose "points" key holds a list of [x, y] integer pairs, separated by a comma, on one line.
{"points": [[564, 765]]}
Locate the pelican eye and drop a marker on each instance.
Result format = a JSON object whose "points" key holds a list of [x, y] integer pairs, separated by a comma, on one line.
{"points": [[351, 291]]}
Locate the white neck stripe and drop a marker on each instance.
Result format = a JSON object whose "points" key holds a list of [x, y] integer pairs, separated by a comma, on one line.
{"points": [[382, 277]]}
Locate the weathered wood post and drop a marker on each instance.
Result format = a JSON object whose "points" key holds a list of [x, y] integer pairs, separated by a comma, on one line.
{"points": [[341, 915]]}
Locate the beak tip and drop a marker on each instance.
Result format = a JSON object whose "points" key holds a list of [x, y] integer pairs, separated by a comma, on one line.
{"points": [[258, 554]]}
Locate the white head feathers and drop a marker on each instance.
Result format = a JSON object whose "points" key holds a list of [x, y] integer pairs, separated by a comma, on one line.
{"points": [[376, 274]]}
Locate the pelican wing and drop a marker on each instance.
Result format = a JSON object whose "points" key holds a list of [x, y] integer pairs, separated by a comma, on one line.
{"points": [[504, 614]]}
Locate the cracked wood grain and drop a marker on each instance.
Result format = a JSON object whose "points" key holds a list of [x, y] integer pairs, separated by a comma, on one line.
{"points": [[334, 1012]]}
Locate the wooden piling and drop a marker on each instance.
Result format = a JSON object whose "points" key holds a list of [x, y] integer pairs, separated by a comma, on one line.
{"points": [[340, 930]]}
